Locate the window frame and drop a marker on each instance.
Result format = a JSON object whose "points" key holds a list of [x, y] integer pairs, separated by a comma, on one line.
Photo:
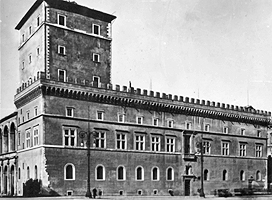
{"points": [[242, 149], [226, 130], [100, 142], [73, 172], [61, 50], [64, 19], [172, 174], [206, 175], [96, 57], [102, 115], [141, 120], [69, 136], [156, 144], [28, 138], [155, 121], [98, 29], [30, 58], [121, 141], [225, 175], [38, 23], [122, 115], [242, 176], [124, 173], [35, 136], [206, 147], [139, 144], [242, 131], [225, 150], [258, 150], [64, 75], [103, 172], [170, 146], [170, 123], [188, 125], [158, 174], [136, 173], [207, 127], [72, 109]]}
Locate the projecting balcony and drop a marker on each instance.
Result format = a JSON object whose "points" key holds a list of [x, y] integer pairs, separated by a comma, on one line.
{"points": [[189, 157]]}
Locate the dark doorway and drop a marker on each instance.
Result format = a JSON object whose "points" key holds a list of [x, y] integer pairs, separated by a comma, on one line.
{"points": [[187, 187]]}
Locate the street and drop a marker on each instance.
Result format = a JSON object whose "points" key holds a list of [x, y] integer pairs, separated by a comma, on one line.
{"points": [[259, 197]]}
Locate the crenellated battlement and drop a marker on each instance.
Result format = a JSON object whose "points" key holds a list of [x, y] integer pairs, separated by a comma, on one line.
{"points": [[152, 94]]}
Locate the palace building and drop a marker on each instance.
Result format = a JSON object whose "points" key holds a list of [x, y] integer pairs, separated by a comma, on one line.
{"points": [[142, 142]]}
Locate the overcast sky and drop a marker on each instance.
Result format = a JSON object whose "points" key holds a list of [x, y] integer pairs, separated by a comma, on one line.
{"points": [[217, 50]]}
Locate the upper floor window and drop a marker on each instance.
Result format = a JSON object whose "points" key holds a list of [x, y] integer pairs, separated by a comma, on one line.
{"points": [[38, 51], [36, 110], [36, 136], [155, 121], [155, 174], [96, 81], [225, 148], [62, 75], [23, 37], [23, 64], [242, 131], [69, 112], [100, 140], [139, 120], [259, 133], [38, 21], [206, 147], [28, 115], [139, 142], [242, 150], [170, 144], [121, 141], [259, 150], [225, 130], [69, 172], [69, 136], [155, 143], [28, 139], [96, 29], [100, 115], [170, 123], [19, 138], [62, 20], [61, 50], [225, 175], [188, 125], [29, 58], [30, 30], [121, 117], [96, 57], [207, 127]]}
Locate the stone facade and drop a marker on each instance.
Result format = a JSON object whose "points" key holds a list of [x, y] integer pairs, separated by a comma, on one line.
{"points": [[142, 142]]}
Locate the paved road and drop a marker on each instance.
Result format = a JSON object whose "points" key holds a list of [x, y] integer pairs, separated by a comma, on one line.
{"points": [[259, 197]]}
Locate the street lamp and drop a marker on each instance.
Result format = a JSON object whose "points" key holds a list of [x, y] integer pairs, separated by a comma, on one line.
{"points": [[82, 135]]}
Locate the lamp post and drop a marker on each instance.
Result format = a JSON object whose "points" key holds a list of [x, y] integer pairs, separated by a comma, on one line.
{"points": [[82, 135]]}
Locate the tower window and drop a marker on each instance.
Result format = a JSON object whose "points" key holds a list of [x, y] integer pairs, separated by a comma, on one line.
{"points": [[30, 30], [23, 37], [61, 50], [38, 21], [62, 75], [62, 20], [29, 58], [69, 112], [23, 64], [96, 57], [100, 115], [96, 29]]}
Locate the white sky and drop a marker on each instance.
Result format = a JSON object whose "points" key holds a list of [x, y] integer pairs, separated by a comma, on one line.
{"points": [[217, 50]]}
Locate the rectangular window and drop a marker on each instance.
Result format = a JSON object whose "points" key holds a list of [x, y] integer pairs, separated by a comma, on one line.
{"points": [[38, 21], [23, 37], [139, 120], [121, 117], [155, 143], [207, 127], [155, 122], [70, 137], [23, 64], [36, 137], [100, 115], [61, 50], [139, 142], [100, 141], [96, 57], [38, 51], [170, 123], [170, 144], [30, 30], [259, 133], [225, 148], [62, 75], [225, 130], [19, 138], [96, 81], [259, 150], [29, 58], [188, 125], [206, 147], [242, 131], [28, 115], [121, 141], [242, 150], [62, 20], [36, 111], [28, 139], [96, 29], [70, 112]]}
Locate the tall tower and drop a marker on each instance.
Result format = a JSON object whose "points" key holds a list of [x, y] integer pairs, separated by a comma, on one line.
{"points": [[66, 41]]}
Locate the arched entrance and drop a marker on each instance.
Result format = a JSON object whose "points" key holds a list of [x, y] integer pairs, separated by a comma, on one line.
{"points": [[12, 137], [12, 180]]}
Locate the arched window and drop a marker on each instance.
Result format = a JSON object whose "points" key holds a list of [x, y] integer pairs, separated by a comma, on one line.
{"points": [[206, 175], [139, 173], [225, 175], [121, 173], [27, 172], [169, 174], [242, 175], [100, 172], [258, 176], [69, 172], [155, 174], [36, 172]]}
